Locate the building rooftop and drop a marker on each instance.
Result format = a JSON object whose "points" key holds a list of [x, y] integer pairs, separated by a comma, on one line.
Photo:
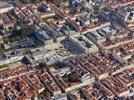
{"points": [[4, 4], [85, 44]]}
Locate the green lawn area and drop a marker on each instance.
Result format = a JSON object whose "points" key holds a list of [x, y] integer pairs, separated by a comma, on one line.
{"points": [[2, 51], [58, 2], [3, 67], [46, 19], [19, 34]]}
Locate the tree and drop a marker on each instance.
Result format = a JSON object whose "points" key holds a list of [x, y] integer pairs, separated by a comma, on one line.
{"points": [[73, 77], [41, 65], [24, 1], [30, 1]]}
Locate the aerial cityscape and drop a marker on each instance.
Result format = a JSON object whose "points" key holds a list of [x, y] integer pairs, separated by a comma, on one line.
{"points": [[66, 49]]}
